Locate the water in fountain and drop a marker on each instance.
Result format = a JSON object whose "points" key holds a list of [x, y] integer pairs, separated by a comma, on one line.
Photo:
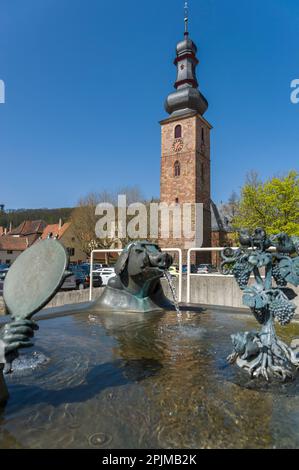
{"points": [[169, 279], [148, 383]]}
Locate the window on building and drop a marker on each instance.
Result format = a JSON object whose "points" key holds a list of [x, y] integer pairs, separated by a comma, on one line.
{"points": [[178, 131], [176, 200], [177, 169], [9, 252], [202, 135], [8, 262]]}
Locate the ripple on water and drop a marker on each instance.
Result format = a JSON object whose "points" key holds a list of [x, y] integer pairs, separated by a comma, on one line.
{"points": [[26, 363], [99, 440]]}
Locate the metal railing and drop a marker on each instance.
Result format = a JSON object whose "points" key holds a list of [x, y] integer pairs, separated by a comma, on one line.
{"points": [[168, 250], [189, 273]]}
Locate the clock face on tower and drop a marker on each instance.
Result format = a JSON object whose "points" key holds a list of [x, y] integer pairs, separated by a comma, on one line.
{"points": [[178, 145]]}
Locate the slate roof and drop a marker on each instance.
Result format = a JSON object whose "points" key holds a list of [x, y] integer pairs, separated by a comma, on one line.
{"points": [[218, 221]]}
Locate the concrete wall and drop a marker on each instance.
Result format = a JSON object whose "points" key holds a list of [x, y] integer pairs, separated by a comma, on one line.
{"points": [[66, 298], [74, 297], [205, 290], [215, 290]]}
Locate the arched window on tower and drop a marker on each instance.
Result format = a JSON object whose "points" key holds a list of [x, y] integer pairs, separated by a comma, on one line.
{"points": [[178, 131], [177, 169], [202, 136]]}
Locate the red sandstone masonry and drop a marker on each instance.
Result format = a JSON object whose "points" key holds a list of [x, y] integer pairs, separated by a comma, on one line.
{"points": [[193, 184]]}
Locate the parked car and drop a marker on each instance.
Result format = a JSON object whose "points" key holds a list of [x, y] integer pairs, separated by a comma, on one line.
{"points": [[83, 277], [97, 279], [193, 269], [80, 277], [206, 269], [106, 274], [69, 283], [100, 266]]}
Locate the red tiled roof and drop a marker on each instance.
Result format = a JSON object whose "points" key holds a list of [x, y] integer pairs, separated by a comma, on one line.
{"points": [[55, 231], [13, 243], [32, 238], [29, 227]]}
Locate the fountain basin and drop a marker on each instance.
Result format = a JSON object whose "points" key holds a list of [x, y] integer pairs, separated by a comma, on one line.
{"points": [[146, 381]]}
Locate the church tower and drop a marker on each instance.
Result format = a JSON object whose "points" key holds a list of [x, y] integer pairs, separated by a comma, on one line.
{"points": [[185, 155]]}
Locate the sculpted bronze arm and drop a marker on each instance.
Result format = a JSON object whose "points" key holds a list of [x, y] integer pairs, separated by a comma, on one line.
{"points": [[14, 336]]}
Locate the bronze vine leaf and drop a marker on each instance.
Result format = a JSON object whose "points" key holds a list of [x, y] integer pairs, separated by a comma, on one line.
{"points": [[254, 299], [289, 269]]}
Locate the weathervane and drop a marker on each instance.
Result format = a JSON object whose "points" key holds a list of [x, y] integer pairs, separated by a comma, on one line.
{"points": [[186, 17]]}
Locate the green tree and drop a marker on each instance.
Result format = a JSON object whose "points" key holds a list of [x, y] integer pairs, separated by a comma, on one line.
{"points": [[273, 205]]}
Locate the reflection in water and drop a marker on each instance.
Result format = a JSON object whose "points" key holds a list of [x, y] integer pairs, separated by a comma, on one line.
{"points": [[127, 381]]}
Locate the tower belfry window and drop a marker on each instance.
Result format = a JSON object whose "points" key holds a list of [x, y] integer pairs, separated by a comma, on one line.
{"points": [[178, 131], [202, 135]]}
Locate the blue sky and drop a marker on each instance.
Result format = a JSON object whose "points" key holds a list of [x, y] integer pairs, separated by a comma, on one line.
{"points": [[86, 82]]}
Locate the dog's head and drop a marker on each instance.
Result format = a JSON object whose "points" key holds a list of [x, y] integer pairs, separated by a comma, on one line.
{"points": [[143, 260]]}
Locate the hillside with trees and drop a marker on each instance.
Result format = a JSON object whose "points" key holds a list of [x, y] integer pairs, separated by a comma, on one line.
{"points": [[51, 216]]}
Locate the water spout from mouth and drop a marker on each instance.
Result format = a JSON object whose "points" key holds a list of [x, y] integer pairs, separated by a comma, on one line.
{"points": [[168, 277]]}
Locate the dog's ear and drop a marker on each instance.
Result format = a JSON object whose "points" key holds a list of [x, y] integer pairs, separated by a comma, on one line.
{"points": [[122, 261]]}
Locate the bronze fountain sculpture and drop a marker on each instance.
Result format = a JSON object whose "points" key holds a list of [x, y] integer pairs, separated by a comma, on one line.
{"points": [[263, 354], [136, 286], [38, 273]]}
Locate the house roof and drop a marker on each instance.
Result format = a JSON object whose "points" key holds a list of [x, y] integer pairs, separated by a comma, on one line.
{"points": [[29, 227], [54, 230], [13, 243]]}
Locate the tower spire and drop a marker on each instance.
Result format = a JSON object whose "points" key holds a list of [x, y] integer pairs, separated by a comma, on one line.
{"points": [[186, 8], [187, 96]]}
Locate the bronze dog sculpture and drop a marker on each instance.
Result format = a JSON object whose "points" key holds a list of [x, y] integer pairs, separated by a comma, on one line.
{"points": [[136, 286]]}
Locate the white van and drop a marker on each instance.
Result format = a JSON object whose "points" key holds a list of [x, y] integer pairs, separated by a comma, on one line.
{"points": [[106, 274]]}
